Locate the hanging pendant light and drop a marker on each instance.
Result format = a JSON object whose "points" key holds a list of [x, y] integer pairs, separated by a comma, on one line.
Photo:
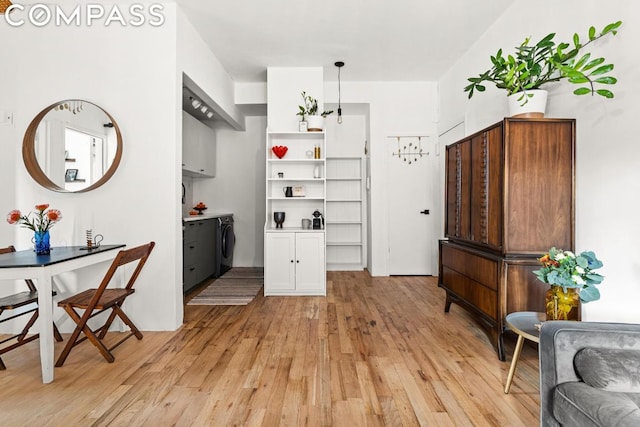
{"points": [[339, 64]]}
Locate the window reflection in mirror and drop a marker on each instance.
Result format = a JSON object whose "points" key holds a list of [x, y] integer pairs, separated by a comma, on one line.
{"points": [[72, 146]]}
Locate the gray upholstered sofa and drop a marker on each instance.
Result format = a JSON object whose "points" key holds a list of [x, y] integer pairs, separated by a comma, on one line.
{"points": [[589, 374]]}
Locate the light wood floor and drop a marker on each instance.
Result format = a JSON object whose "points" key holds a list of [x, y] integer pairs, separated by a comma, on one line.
{"points": [[375, 351]]}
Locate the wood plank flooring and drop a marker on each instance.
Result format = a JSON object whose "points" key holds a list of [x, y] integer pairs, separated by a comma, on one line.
{"points": [[374, 352]]}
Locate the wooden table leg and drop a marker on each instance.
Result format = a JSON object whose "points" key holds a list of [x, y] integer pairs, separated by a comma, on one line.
{"points": [[514, 362]]}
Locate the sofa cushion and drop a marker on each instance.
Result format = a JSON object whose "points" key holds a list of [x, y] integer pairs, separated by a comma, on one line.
{"points": [[578, 404], [609, 369]]}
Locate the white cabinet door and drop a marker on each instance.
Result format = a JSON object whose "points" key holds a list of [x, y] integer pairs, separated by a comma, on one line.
{"points": [[198, 147], [310, 263], [294, 264], [189, 136], [207, 151], [279, 265]]}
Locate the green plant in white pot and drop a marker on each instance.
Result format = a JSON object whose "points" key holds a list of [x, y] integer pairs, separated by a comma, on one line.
{"points": [[524, 72], [315, 120]]}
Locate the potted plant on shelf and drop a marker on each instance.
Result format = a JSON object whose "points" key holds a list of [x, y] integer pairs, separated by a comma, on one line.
{"points": [[571, 279], [523, 73], [315, 120]]}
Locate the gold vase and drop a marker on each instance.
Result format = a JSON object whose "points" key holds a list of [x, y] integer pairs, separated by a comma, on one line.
{"points": [[561, 305]]}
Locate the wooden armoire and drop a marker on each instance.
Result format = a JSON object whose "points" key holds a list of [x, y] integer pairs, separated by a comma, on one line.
{"points": [[509, 198]]}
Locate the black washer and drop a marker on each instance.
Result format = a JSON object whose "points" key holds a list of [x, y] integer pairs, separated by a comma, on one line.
{"points": [[225, 245]]}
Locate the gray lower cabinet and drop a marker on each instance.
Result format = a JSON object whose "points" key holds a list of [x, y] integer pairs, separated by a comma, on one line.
{"points": [[199, 252]]}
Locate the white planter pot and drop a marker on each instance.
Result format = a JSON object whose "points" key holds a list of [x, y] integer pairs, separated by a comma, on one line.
{"points": [[315, 123], [533, 103]]}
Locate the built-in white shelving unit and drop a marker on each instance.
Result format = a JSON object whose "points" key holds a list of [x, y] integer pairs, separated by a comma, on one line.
{"points": [[295, 258], [345, 214]]}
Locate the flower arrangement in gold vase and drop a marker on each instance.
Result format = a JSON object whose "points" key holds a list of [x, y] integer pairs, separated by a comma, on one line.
{"points": [[572, 279], [40, 222]]}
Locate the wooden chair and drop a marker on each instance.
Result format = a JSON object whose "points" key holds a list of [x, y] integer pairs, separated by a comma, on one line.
{"points": [[14, 302], [96, 301]]}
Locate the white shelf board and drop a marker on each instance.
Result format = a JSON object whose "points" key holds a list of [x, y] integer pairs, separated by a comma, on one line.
{"points": [[293, 230], [296, 179], [295, 198], [296, 133], [295, 160]]}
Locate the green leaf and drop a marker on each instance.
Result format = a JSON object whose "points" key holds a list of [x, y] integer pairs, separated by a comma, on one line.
{"points": [[592, 33], [582, 261], [611, 28], [545, 40], [594, 262], [593, 63], [589, 293], [606, 80], [480, 88], [602, 70], [582, 91], [578, 79], [604, 92], [582, 61], [595, 278], [576, 40]]}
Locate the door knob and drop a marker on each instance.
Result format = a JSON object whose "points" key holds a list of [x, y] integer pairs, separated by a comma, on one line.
{"points": [[425, 212]]}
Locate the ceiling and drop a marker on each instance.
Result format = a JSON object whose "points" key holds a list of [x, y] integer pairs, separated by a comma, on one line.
{"points": [[400, 40]]}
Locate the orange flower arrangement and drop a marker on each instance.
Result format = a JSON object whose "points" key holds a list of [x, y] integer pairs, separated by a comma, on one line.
{"points": [[41, 221]]}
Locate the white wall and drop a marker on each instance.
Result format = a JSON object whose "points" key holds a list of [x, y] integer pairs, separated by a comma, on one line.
{"points": [[134, 73], [137, 86], [284, 88], [607, 171], [395, 108], [9, 153], [196, 60], [346, 139], [239, 188], [131, 73]]}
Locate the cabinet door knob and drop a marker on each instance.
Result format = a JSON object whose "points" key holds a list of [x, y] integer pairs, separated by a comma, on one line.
{"points": [[298, 262], [425, 212], [291, 261]]}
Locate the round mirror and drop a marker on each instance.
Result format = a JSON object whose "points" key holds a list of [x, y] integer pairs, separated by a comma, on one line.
{"points": [[72, 146]]}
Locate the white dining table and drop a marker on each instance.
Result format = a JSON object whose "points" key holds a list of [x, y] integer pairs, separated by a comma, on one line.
{"points": [[41, 269]]}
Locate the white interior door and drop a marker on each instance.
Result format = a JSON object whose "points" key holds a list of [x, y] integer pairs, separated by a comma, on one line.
{"points": [[411, 206]]}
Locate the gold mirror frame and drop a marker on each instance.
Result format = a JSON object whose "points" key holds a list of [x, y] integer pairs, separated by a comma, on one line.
{"points": [[31, 162]]}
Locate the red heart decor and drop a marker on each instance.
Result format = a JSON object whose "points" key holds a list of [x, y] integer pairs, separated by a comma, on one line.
{"points": [[279, 150]]}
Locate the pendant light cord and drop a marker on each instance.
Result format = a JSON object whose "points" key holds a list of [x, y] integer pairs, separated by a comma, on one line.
{"points": [[339, 64]]}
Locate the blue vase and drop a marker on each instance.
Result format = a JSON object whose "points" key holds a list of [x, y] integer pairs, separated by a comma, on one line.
{"points": [[41, 242]]}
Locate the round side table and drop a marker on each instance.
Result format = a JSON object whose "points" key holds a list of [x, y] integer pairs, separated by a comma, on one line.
{"points": [[523, 324]]}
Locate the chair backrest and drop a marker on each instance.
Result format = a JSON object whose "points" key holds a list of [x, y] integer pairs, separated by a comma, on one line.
{"points": [[9, 249], [125, 256]]}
